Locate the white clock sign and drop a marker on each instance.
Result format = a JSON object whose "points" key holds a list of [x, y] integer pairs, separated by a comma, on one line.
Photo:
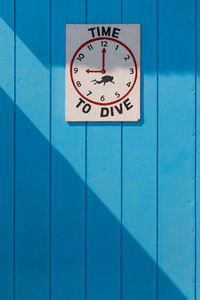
{"points": [[102, 72]]}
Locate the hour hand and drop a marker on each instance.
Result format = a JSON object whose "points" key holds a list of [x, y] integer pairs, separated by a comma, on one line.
{"points": [[95, 71]]}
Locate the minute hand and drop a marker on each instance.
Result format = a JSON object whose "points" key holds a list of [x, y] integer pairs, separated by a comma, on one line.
{"points": [[103, 59]]}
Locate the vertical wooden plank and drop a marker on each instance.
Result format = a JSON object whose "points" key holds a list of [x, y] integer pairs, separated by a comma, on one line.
{"points": [[7, 148], [139, 166], [32, 151], [68, 169], [104, 188], [197, 150], [176, 147]]}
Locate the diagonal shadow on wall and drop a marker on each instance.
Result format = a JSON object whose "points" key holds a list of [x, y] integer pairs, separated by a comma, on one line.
{"points": [[175, 61], [141, 258]]}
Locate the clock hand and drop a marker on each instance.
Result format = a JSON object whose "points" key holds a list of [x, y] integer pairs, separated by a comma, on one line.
{"points": [[103, 71], [95, 71], [103, 59]]}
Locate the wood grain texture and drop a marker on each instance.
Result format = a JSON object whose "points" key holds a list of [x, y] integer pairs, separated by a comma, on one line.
{"points": [[32, 151], [67, 169], [139, 167], [176, 88], [6, 149]]}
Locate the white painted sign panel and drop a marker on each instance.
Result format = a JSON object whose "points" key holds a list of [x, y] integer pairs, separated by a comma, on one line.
{"points": [[102, 72]]}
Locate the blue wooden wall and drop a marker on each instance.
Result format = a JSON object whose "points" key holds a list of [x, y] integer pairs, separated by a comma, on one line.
{"points": [[99, 211]]}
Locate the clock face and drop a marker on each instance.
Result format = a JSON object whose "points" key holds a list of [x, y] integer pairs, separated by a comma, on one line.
{"points": [[103, 71], [102, 78]]}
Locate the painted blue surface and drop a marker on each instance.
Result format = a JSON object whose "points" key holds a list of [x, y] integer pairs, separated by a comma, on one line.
{"points": [[197, 145], [139, 167], [99, 211], [7, 151], [32, 153], [103, 242], [176, 140], [67, 243]]}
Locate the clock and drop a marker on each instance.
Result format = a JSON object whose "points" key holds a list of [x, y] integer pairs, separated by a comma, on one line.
{"points": [[102, 72]]}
